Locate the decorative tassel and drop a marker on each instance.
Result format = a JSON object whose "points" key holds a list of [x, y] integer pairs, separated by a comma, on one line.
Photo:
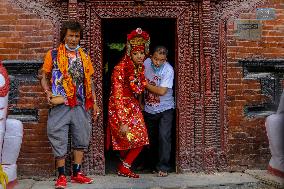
{"points": [[89, 103]]}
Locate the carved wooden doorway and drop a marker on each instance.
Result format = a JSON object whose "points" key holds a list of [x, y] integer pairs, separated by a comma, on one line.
{"points": [[200, 126]]}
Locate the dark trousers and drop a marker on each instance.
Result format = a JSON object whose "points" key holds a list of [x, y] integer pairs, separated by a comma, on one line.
{"points": [[159, 130]]}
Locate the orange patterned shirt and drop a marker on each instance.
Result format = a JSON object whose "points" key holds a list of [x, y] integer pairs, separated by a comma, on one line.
{"points": [[59, 66]]}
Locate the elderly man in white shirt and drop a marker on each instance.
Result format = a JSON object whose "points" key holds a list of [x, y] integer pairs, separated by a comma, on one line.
{"points": [[159, 107]]}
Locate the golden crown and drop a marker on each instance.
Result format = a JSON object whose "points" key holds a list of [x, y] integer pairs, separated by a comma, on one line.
{"points": [[137, 41]]}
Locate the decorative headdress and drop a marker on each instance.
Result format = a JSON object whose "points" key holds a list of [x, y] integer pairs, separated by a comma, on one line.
{"points": [[137, 40]]}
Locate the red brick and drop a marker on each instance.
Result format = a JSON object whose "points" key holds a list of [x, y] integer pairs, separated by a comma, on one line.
{"points": [[35, 149], [273, 22], [236, 103], [36, 143], [13, 45], [42, 170], [4, 34], [8, 57], [35, 160], [8, 51], [8, 17], [272, 39]]}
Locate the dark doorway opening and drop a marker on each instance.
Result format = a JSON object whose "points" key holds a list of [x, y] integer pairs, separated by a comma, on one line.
{"points": [[114, 31]]}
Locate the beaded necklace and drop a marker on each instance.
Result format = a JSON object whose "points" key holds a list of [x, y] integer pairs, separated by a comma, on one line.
{"points": [[136, 77]]}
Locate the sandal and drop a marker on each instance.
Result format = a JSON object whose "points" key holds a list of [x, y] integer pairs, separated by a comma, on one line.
{"points": [[154, 172], [162, 174]]}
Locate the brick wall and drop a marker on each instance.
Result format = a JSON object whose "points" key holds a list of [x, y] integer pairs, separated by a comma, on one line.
{"points": [[248, 144], [25, 36], [35, 158]]}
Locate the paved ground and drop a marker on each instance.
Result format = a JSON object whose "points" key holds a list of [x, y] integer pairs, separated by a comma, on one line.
{"points": [[266, 178], [252, 179]]}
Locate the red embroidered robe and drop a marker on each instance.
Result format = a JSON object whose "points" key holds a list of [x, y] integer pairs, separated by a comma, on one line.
{"points": [[124, 109]]}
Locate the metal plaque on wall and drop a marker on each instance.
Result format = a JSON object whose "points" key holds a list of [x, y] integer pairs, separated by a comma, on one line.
{"points": [[265, 14], [248, 29]]}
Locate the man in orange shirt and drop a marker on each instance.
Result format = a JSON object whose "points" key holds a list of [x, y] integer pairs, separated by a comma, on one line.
{"points": [[71, 97]]}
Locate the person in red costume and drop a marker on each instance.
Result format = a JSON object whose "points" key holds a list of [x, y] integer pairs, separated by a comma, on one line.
{"points": [[125, 119]]}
